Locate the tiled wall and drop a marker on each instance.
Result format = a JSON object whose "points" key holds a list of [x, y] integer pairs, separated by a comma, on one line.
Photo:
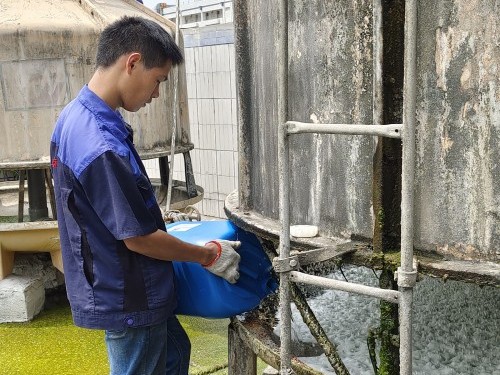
{"points": [[210, 73]]}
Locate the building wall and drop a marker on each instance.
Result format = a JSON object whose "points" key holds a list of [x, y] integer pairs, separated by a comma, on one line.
{"points": [[200, 13], [210, 74]]}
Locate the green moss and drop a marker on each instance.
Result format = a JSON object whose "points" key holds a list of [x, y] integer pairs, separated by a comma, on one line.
{"points": [[52, 345], [389, 352], [12, 219], [389, 260]]}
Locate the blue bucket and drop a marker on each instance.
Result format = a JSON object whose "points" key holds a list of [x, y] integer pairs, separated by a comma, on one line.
{"points": [[201, 293]]}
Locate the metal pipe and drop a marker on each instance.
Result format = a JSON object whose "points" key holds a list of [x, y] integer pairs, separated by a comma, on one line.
{"points": [[175, 115], [406, 271], [390, 130], [37, 195], [284, 192], [378, 47], [385, 294], [284, 251]]}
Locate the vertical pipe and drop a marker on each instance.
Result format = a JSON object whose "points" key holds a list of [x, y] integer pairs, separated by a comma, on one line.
{"points": [[284, 250], [409, 119], [37, 195], [377, 114], [378, 48], [284, 192], [175, 115]]}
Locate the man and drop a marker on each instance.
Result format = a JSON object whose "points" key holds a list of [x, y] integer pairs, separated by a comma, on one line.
{"points": [[116, 253]]}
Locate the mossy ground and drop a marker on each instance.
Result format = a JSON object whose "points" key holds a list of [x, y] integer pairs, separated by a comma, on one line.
{"points": [[52, 345]]}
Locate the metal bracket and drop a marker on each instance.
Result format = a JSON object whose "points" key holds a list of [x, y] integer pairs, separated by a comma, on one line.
{"points": [[324, 253], [303, 258], [286, 265]]}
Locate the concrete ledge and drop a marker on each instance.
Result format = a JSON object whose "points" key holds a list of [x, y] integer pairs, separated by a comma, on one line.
{"points": [[21, 298]]}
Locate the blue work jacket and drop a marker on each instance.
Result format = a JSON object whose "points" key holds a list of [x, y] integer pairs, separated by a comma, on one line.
{"points": [[103, 196]]}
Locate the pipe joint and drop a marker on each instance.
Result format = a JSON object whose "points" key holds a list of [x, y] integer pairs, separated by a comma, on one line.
{"points": [[406, 279]]}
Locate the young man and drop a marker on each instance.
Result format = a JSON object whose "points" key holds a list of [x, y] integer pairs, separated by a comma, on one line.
{"points": [[116, 253]]}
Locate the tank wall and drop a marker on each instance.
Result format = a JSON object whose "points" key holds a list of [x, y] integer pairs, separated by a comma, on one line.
{"points": [[458, 113], [329, 81], [457, 195], [46, 55]]}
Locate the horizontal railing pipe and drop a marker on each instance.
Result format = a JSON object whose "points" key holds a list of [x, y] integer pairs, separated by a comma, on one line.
{"points": [[389, 131], [385, 294]]}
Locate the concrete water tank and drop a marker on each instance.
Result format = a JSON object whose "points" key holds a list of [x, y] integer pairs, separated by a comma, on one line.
{"points": [[47, 53], [316, 61], [330, 80]]}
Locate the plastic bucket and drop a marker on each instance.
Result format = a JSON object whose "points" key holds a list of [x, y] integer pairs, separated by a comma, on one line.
{"points": [[201, 293]]}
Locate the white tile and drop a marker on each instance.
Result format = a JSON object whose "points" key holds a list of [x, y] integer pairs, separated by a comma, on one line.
{"points": [[191, 86], [211, 207], [235, 138], [196, 53], [189, 60], [208, 162], [205, 59], [211, 190], [222, 214], [204, 85], [232, 61], [225, 163], [193, 111], [222, 85], [221, 59], [226, 185], [207, 138], [232, 84], [178, 163], [206, 111], [194, 135], [234, 112], [222, 111], [236, 165], [213, 54], [225, 138]]}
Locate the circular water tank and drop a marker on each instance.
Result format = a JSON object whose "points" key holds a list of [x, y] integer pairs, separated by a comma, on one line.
{"points": [[47, 53], [329, 71]]}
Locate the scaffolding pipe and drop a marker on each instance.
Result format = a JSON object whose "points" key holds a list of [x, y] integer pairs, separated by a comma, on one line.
{"points": [[406, 273], [284, 251], [284, 173], [389, 131], [378, 47], [385, 294]]}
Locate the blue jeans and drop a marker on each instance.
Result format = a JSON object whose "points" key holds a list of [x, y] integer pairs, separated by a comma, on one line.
{"points": [[162, 349]]}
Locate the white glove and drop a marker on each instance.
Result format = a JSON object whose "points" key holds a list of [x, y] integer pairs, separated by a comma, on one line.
{"points": [[226, 263]]}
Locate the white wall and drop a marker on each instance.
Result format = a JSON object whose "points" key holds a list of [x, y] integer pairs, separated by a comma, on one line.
{"points": [[210, 74]]}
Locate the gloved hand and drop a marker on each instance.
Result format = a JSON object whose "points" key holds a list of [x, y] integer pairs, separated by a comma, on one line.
{"points": [[226, 263]]}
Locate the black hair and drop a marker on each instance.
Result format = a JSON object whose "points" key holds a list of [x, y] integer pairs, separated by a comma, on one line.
{"points": [[137, 34]]}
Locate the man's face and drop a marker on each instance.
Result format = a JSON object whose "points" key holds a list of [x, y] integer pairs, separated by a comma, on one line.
{"points": [[143, 85]]}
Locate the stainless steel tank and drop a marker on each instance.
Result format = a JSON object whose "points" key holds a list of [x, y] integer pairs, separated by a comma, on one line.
{"points": [[47, 53]]}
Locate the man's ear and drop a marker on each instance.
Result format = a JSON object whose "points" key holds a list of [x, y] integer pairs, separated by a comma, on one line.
{"points": [[132, 60]]}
